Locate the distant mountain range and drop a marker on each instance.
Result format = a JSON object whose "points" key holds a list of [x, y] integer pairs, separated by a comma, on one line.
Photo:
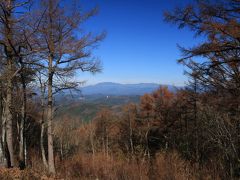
{"points": [[109, 88], [103, 95]]}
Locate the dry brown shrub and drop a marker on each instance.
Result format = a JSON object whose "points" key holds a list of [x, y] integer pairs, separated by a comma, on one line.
{"points": [[99, 166], [171, 166], [16, 174], [27, 174], [165, 166]]}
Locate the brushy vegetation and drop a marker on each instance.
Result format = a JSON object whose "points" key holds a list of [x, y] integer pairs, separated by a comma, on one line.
{"points": [[155, 139], [191, 133]]}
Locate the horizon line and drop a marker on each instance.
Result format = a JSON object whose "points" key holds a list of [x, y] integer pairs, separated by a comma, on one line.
{"points": [[85, 84]]}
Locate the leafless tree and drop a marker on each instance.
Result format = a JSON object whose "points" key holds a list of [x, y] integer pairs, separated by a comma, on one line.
{"points": [[65, 50]]}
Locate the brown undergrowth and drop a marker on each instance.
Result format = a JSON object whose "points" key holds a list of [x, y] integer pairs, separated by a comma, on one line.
{"points": [[165, 166], [100, 166]]}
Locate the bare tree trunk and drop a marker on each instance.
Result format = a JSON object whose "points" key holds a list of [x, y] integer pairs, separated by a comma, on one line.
{"points": [[2, 138], [9, 121], [25, 151], [9, 89], [2, 154], [51, 166], [45, 163], [22, 164], [42, 146], [3, 142]]}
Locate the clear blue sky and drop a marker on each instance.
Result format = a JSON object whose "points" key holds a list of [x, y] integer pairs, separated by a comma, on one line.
{"points": [[140, 46]]}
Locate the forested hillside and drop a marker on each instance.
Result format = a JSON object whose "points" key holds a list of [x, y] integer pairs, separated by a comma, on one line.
{"points": [[86, 107], [191, 132]]}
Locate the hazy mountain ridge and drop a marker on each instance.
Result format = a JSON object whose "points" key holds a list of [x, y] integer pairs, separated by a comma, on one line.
{"points": [[109, 88]]}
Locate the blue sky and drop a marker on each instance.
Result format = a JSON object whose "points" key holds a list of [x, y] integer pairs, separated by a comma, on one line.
{"points": [[140, 46]]}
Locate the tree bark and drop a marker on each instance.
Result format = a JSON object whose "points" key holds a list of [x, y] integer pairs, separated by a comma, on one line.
{"points": [[43, 153], [22, 163], [9, 89], [3, 128], [9, 121], [42, 146], [51, 166]]}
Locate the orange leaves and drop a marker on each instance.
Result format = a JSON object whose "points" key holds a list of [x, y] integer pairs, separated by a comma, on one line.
{"points": [[164, 95], [158, 100], [147, 105]]}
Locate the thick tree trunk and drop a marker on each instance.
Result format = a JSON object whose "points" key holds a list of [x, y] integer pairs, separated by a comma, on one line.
{"points": [[51, 166], [9, 121], [9, 89]]}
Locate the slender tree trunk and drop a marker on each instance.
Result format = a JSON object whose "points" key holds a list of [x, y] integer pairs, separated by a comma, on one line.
{"points": [[22, 164], [42, 146], [51, 166], [25, 151], [196, 120], [44, 159], [2, 145], [3, 138]]}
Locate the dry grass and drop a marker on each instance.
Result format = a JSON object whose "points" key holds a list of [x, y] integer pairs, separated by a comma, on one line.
{"points": [[16, 174], [27, 174], [166, 166], [85, 166]]}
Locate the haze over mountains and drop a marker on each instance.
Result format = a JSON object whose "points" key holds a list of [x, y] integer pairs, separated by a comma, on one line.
{"points": [[110, 88], [109, 95]]}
